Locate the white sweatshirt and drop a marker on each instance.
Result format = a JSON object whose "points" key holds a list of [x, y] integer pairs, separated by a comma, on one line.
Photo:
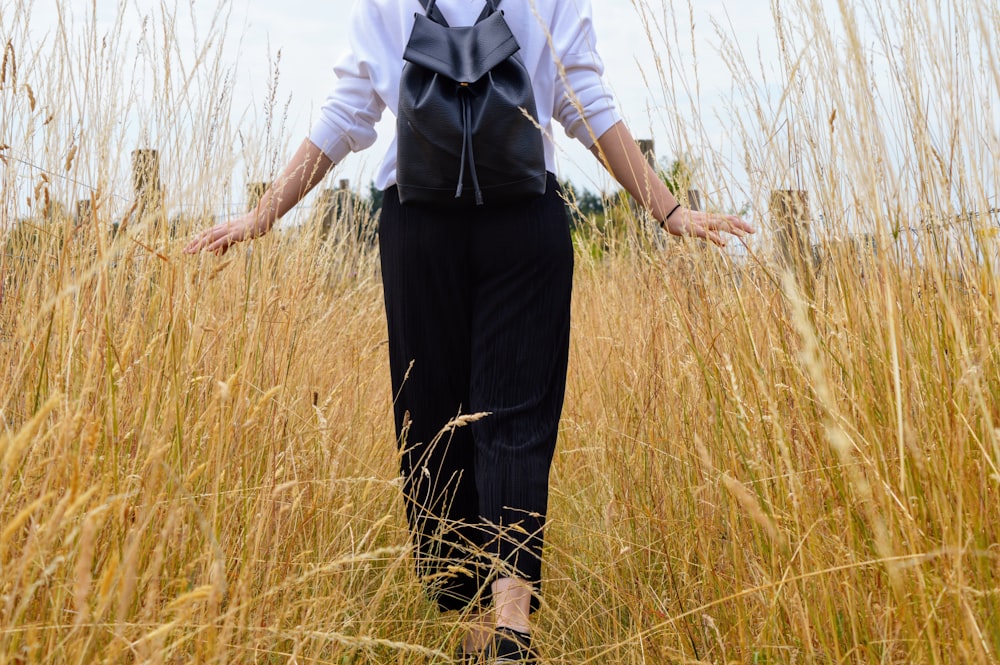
{"points": [[368, 75]]}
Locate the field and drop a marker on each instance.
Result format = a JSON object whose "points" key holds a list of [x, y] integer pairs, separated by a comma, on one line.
{"points": [[756, 465]]}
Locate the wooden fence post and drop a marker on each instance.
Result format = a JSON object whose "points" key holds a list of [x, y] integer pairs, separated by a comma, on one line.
{"points": [[648, 149], [790, 211], [146, 179], [84, 211], [335, 205], [326, 210], [345, 203], [694, 199]]}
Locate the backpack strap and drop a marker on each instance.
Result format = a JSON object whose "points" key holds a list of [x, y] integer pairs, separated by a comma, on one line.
{"points": [[490, 8], [432, 11]]}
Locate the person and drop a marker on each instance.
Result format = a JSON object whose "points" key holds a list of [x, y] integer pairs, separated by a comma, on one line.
{"points": [[478, 306]]}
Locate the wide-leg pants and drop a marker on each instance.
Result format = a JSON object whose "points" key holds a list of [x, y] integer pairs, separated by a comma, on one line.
{"points": [[478, 309]]}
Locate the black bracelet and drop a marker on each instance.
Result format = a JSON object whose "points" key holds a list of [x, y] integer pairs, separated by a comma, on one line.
{"points": [[667, 218]]}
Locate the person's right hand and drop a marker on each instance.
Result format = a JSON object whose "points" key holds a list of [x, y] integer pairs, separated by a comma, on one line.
{"points": [[221, 237]]}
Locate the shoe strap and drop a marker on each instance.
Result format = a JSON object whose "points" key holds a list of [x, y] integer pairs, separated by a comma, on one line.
{"points": [[512, 646]]}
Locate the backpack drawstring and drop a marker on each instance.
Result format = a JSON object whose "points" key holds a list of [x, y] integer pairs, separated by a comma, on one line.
{"points": [[467, 155]]}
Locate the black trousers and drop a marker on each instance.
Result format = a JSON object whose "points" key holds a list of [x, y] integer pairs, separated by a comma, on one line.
{"points": [[478, 308]]}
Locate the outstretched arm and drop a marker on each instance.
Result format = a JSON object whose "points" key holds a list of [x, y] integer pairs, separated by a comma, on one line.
{"points": [[307, 167], [620, 154]]}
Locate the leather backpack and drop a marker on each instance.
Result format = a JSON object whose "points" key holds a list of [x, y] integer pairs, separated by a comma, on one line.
{"points": [[466, 121]]}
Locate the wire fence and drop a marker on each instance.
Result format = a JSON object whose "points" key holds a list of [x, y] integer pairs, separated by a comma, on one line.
{"points": [[119, 203], [953, 233]]}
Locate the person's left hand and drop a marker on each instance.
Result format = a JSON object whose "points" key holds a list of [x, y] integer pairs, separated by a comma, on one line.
{"points": [[707, 225]]}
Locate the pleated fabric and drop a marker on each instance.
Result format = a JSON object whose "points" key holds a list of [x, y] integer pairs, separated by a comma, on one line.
{"points": [[478, 310]]}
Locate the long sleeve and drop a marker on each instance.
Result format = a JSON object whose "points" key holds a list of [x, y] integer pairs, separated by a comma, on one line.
{"points": [[353, 107], [583, 104]]}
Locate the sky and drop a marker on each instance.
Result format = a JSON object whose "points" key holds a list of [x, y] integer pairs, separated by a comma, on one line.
{"points": [[302, 39], [311, 35]]}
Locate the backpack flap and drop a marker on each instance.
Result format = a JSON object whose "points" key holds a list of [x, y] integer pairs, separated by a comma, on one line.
{"points": [[464, 54]]}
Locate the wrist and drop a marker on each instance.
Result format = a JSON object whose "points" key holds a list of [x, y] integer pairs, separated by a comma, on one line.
{"points": [[673, 211], [264, 218]]}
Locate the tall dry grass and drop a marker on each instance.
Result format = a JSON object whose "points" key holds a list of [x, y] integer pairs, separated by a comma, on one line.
{"points": [[197, 456]]}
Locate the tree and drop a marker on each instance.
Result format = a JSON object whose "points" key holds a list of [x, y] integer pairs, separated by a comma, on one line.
{"points": [[677, 175], [581, 203], [374, 198], [590, 203]]}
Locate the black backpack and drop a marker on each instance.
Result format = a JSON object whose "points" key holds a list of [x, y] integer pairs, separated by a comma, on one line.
{"points": [[466, 114]]}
